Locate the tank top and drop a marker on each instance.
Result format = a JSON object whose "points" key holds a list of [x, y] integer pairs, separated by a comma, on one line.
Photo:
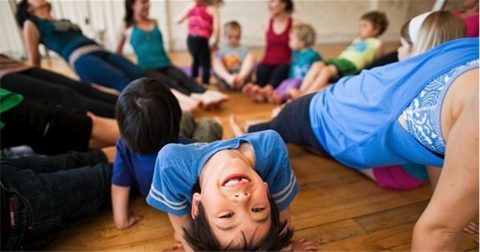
{"points": [[356, 120], [277, 52], [361, 52], [149, 49], [61, 36], [471, 23], [200, 22]]}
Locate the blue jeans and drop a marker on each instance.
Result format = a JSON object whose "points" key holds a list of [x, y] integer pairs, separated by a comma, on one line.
{"points": [[107, 69], [50, 193]]}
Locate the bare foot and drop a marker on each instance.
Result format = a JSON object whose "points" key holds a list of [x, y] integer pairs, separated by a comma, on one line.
{"points": [[275, 98], [237, 129], [189, 104], [238, 81], [293, 93], [248, 89], [257, 94], [210, 98], [305, 245], [231, 80]]}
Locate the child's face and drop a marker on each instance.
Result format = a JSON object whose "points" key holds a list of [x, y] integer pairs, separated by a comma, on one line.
{"points": [[236, 204], [232, 36], [404, 51], [366, 29], [294, 43], [141, 7]]}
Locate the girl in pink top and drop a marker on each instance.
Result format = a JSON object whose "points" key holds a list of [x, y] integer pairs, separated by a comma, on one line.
{"points": [[470, 16], [275, 65], [203, 23]]}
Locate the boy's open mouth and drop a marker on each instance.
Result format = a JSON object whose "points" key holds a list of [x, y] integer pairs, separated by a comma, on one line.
{"points": [[236, 179]]}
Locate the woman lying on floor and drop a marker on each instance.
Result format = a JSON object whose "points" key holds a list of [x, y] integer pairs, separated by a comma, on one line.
{"points": [[403, 113]]}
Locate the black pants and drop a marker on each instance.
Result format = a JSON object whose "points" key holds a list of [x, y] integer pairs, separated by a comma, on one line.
{"points": [[200, 51], [40, 84], [48, 194], [384, 60], [272, 75], [293, 125], [176, 79], [46, 128]]}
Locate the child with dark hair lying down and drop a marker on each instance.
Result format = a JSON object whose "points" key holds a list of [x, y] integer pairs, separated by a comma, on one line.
{"points": [[149, 117], [228, 195]]}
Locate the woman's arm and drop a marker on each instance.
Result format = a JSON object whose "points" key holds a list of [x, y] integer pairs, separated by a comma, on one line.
{"points": [[455, 200], [184, 14], [122, 37], [31, 37], [122, 216]]}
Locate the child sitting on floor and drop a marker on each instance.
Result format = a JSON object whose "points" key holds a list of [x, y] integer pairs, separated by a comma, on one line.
{"points": [[233, 64], [361, 52], [149, 117], [302, 38], [228, 195]]}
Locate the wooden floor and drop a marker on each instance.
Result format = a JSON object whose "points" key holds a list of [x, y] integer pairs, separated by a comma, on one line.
{"points": [[336, 206]]}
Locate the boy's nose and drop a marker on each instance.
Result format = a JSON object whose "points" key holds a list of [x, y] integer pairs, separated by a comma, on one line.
{"points": [[241, 196]]}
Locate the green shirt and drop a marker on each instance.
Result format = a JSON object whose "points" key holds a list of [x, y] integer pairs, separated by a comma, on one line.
{"points": [[8, 100]]}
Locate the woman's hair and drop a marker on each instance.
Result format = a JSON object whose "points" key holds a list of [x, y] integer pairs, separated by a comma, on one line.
{"points": [[200, 236], [404, 33], [128, 19], [213, 2], [439, 27], [305, 33], [148, 116], [22, 14], [290, 7]]}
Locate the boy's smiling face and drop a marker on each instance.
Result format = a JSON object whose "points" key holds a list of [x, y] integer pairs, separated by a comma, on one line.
{"points": [[236, 203]]}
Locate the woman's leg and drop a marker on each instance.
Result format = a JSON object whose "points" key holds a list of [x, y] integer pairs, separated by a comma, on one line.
{"points": [[194, 50], [125, 65], [183, 80], [322, 80], [94, 68], [311, 75], [279, 74], [164, 78], [264, 73], [81, 87], [38, 89]]}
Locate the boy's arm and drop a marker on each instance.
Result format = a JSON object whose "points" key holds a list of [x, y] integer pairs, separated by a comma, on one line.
{"points": [[31, 36], [178, 223], [121, 215], [184, 14]]}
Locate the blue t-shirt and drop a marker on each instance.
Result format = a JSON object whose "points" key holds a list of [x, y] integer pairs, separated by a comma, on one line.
{"points": [[61, 36], [135, 169], [178, 168], [232, 57], [301, 62]]}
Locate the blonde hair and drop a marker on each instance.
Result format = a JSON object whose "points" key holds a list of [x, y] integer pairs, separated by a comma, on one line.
{"points": [[305, 33], [439, 27]]}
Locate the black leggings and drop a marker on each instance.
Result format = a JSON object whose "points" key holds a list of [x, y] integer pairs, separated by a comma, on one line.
{"points": [[293, 125], [272, 75], [47, 128], [40, 84], [176, 79], [200, 51], [384, 60]]}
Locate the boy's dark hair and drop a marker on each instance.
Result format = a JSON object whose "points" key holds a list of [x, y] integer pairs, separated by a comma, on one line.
{"points": [[22, 14], [232, 25], [378, 19], [200, 236], [148, 115], [290, 7]]}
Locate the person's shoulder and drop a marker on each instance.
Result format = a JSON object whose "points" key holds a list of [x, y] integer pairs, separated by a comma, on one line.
{"points": [[266, 138]]}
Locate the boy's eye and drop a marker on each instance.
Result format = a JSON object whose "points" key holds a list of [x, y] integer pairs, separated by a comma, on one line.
{"points": [[257, 210], [227, 216]]}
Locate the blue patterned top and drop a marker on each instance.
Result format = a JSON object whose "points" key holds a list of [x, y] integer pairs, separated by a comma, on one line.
{"points": [[422, 116]]}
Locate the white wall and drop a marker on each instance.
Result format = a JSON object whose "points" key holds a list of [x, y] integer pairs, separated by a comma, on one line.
{"points": [[335, 21]]}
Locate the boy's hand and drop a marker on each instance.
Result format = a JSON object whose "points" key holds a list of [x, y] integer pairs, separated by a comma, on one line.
{"points": [[131, 220], [304, 245], [177, 246]]}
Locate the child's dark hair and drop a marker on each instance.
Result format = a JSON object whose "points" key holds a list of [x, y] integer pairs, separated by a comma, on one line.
{"points": [[128, 19], [232, 25], [22, 14], [290, 7], [200, 236], [378, 19], [148, 115]]}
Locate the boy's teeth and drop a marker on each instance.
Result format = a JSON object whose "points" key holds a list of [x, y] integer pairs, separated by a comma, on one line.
{"points": [[236, 181]]}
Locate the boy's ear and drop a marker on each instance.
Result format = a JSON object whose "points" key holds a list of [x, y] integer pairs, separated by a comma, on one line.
{"points": [[195, 201]]}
